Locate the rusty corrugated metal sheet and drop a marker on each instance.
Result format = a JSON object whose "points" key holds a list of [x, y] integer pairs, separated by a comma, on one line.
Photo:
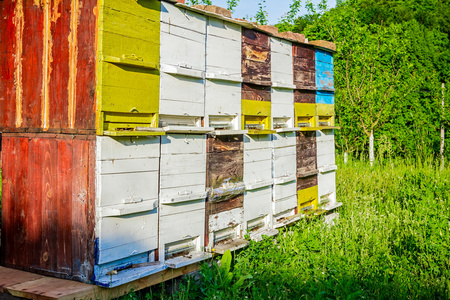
{"points": [[48, 204], [48, 66]]}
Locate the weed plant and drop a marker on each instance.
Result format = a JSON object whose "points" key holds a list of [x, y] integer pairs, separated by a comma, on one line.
{"points": [[391, 242]]}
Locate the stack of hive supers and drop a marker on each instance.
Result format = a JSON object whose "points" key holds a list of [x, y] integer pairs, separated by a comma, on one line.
{"points": [[141, 136]]}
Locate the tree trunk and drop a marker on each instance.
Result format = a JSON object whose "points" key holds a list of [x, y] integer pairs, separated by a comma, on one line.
{"points": [[441, 152], [345, 157], [371, 152]]}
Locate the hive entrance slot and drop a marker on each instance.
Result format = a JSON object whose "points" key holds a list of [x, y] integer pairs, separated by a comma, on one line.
{"points": [[279, 123], [324, 121], [221, 123], [304, 122], [165, 121]]}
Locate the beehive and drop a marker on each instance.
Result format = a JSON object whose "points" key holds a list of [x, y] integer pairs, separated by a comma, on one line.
{"points": [[154, 135]]}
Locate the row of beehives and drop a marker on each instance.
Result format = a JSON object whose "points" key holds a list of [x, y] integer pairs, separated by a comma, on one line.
{"points": [[180, 197], [222, 69]]}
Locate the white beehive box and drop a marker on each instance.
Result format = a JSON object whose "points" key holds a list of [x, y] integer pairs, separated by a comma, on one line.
{"points": [[127, 176], [258, 183], [182, 61], [223, 74], [284, 174], [327, 169], [182, 198]]}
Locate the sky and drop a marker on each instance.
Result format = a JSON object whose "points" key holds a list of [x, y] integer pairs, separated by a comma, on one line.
{"points": [[275, 8]]}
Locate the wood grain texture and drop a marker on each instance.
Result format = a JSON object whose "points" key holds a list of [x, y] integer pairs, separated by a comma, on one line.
{"points": [[224, 143], [36, 70], [224, 167], [303, 51], [51, 222], [306, 151], [256, 92], [256, 56], [302, 96], [307, 182]]}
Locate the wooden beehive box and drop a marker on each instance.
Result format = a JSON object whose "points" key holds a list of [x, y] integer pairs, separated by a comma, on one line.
{"points": [[307, 190], [68, 75], [226, 188], [223, 75], [285, 175], [183, 46], [182, 197], [147, 131]]}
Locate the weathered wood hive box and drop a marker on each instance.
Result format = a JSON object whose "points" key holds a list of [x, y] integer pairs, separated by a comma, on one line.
{"points": [[141, 136]]}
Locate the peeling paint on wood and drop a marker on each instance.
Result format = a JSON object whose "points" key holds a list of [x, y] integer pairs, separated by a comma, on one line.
{"points": [[256, 56], [256, 92], [302, 96], [52, 220]]}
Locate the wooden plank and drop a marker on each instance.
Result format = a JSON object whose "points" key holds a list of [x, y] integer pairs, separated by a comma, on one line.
{"points": [[118, 148], [35, 206], [305, 78], [124, 236], [183, 144], [224, 29], [287, 139], [282, 191], [223, 55], [10, 277], [306, 182], [226, 219], [303, 96], [225, 167], [170, 14], [34, 83], [257, 203], [213, 208], [257, 38], [64, 207], [117, 188], [222, 98], [303, 51], [58, 90], [194, 228], [8, 200], [86, 75], [219, 144], [80, 198], [49, 206], [190, 102], [256, 92], [32, 286]]}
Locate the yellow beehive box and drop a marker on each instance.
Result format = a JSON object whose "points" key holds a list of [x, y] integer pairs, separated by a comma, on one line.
{"points": [[256, 117]]}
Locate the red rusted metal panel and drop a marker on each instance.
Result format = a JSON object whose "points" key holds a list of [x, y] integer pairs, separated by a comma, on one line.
{"points": [[48, 66], [48, 204], [304, 66], [304, 96], [256, 63]]}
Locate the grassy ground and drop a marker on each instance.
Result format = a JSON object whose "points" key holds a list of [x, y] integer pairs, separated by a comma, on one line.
{"points": [[391, 242]]}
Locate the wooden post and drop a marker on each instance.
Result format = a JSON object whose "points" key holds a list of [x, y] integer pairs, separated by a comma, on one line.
{"points": [[442, 129], [371, 152]]}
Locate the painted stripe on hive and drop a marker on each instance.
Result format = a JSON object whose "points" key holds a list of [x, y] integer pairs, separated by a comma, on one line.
{"points": [[18, 22], [46, 61], [73, 57]]}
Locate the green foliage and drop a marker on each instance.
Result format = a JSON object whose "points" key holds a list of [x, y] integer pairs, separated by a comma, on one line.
{"points": [[391, 241], [261, 14], [196, 2], [388, 72], [232, 4]]}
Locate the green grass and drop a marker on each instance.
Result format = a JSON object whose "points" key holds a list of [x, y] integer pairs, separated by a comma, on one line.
{"points": [[391, 242]]}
